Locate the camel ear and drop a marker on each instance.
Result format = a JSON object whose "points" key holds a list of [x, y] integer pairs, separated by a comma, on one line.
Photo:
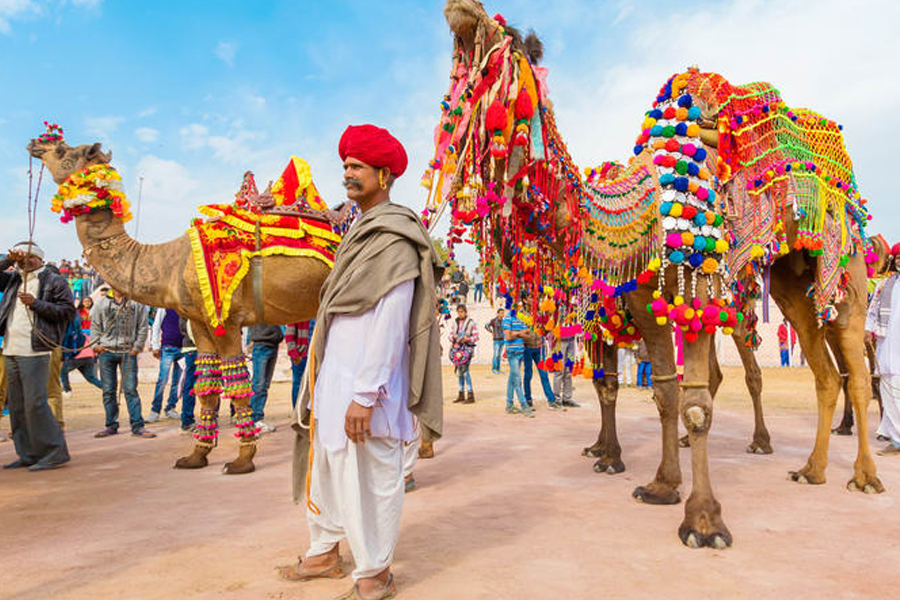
{"points": [[94, 154]]}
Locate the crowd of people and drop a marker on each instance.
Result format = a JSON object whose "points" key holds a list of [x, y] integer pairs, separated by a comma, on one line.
{"points": [[54, 324]]}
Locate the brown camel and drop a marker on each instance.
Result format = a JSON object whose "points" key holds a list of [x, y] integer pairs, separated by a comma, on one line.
{"points": [[476, 35], [163, 275]]}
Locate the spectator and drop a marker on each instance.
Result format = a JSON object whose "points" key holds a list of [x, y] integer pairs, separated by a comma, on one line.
{"points": [[495, 326], [533, 356], [264, 341], [28, 339], [3, 437], [77, 355], [785, 331], [478, 280], [166, 339], [189, 353], [626, 362], [462, 291], [462, 348], [562, 378], [297, 337], [883, 320], [644, 368], [514, 331], [119, 331]]}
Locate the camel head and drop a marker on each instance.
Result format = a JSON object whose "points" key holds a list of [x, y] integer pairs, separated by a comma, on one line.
{"points": [[61, 159]]}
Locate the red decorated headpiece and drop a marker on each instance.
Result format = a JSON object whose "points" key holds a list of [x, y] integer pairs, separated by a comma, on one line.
{"points": [[373, 146], [895, 251]]}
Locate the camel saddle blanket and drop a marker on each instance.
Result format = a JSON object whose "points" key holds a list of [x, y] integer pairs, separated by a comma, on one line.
{"points": [[224, 244]]}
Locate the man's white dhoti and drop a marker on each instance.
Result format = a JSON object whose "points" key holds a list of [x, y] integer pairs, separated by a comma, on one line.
{"points": [[411, 452], [890, 401], [359, 492]]}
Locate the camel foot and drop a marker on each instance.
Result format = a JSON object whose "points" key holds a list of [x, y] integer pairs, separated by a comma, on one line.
{"points": [[610, 466], [195, 460], [703, 526], [595, 451], [656, 493], [759, 447], [243, 463], [684, 442], [843, 430], [868, 484], [807, 475]]}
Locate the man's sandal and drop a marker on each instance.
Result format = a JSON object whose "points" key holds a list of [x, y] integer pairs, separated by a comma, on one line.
{"points": [[389, 591], [294, 572]]}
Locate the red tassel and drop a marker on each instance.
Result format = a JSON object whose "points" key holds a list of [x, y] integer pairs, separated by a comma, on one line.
{"points": [[524, 109], [496, 117], [219, 331]]}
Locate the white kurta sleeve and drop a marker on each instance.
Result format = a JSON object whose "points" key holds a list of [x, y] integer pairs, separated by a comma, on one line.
{"points": [[384, 343]]}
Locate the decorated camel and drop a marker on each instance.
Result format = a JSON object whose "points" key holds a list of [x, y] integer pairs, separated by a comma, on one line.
{"points": [[293, 263], [728, 188]]}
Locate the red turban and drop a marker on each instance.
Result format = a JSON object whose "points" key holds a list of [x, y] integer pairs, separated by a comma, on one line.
{"points": [[895, 251], [374, 146]]}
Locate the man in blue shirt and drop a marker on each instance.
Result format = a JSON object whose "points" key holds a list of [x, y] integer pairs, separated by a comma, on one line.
{"points": [[514, 331]]}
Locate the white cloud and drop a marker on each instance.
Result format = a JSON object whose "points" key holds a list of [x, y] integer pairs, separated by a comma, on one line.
{"points": [[102, 127], [226, 51], [92, 4], [10, 9], [146, 134], [148, 112], [228, 146]]}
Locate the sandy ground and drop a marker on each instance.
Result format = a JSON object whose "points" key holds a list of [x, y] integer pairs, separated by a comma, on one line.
{"points": [[507, 509]]}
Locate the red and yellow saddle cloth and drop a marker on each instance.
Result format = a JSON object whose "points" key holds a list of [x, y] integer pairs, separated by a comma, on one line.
{"points": [[224, 244]]}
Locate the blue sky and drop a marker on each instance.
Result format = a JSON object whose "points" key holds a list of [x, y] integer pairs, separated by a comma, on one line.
{"points": [[189, 95]]}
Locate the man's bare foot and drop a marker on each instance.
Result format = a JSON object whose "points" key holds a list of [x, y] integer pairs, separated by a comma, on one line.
{"points": [[322, 566], [889, 450]]}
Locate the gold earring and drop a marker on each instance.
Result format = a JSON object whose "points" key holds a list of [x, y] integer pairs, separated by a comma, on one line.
{"points": [[381, 180]]}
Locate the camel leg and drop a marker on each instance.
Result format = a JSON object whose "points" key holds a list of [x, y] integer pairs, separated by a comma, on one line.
{"points": [[761, 443], [610, 456], [846, 426], [715, 381], [850, 344], [794, 304], [876, 379], [664, 487], [238, 390], [207, 388], [703, 524]]}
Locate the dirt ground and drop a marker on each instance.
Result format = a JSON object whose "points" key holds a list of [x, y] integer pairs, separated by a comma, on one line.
{"points": [[507, 509]]}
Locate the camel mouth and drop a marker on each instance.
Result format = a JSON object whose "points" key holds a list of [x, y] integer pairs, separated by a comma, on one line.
{"points": [[35, 148]]}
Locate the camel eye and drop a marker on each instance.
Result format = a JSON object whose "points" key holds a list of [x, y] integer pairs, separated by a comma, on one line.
{"points": [[60, 151]]}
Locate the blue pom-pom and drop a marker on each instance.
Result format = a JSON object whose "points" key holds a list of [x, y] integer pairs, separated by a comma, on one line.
{"points": [[693, 169], [656, 114], [631, 285], [696, 259], [676, 257], [700, 219], [638, 149], [594, 297], [656, 130], [589, 315], [694, 113], [666, 179], [765, 108], [787, 167], [681, 129], [666, 207], [699, 243], [685, 101], [599, 374], [712, 196], [602, 312], [700, 155], [840, 127], [681, 183], [739, 119]]}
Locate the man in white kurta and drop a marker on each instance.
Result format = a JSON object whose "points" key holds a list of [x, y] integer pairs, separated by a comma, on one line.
{"points": [[375, 361], [883, 321], [366, 362]]}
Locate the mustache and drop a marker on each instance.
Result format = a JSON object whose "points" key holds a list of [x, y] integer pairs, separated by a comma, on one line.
{"points": [[352, 183]]}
